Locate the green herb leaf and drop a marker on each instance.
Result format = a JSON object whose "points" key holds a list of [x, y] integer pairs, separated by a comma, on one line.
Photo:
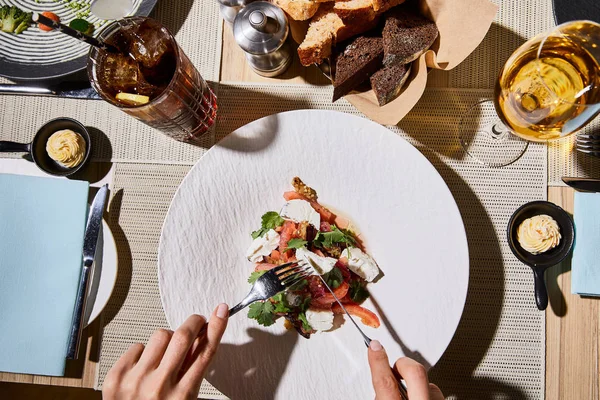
{"points": [[334, 278], [255, 275], [305, 303], [299, 286], [296, 244], [358, 292], [327, 239], [262, 312], [280, 303], [270, 220], [305, 325]]}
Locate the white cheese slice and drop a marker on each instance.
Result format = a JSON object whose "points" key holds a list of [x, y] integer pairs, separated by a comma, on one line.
{"points": [[263, 246], [320, 320], [361, 263], [293, 299], [321, 264], [301, 210]]}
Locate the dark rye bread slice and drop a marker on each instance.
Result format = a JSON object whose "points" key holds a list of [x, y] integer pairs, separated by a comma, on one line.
{"points": [[406, 35], [388, 81], [355, 62]]}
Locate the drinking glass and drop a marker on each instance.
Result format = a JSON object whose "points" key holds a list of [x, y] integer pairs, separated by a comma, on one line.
{"points": [[181, 104], [548, 89]]}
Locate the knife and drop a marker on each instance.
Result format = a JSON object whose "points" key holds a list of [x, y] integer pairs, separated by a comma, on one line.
{"points": [[73, 93], [585, 184], [367, 340], [92, 231]]}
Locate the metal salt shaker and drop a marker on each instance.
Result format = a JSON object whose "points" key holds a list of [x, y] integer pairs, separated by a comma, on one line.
{"points": [[261, 30], [230, 8]]}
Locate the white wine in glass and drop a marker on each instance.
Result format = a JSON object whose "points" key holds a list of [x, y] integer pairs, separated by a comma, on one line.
{"points": [[549, 88]]}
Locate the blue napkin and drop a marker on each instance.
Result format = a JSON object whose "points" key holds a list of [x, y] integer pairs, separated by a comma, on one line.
{"points": [[585, 268], [42, 225]]}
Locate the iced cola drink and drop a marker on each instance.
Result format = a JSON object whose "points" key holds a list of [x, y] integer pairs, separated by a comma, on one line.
{"points": [[152, 79]]}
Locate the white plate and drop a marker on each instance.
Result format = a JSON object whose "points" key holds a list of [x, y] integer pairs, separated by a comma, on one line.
{"points": [[402, 206], [104, 275]]}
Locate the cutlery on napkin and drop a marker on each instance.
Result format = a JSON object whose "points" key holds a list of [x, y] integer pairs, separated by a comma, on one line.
{"points": [[42, 223]]}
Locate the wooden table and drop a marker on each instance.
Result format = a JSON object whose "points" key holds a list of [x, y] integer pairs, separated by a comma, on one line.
{"points": [[573, 323]]}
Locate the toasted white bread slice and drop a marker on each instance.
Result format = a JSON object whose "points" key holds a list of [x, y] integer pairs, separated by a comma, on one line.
{"points": [[299, 10], [326, 28]]}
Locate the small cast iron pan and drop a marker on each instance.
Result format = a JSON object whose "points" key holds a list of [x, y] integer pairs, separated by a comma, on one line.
{"points": [[37, 148], [540, 262]]}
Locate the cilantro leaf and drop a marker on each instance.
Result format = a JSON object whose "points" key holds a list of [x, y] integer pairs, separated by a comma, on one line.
{"points": [[334, 278], [305, 325], [262, 312], [327, 239], [280, 303], [305, 303], [255, 275], [270, 220], [295, 243], [358, 292], [296, 287]]}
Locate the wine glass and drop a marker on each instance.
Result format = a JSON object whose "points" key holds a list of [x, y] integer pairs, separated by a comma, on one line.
{"points": [[548, 89]]}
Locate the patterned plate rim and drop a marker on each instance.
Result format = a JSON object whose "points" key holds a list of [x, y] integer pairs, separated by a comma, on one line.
{"points": [[24, 72]]}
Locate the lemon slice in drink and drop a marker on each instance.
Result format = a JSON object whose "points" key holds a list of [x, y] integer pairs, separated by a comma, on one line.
{"points": [[132, 99]]}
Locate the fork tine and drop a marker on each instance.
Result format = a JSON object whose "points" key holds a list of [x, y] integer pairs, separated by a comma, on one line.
{"points": [[290, 276], [281, 267], [295, 279], [587, 151]]}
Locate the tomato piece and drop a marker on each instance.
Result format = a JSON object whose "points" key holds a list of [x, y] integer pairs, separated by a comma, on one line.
{"points": [[287, 233], [263, 267], [367, 317], [327, 298], [53, 17], [276, 255], [325, 226], [326, 215]]}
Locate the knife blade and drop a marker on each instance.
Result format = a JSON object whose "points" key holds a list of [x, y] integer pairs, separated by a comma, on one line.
{"points": [[90, 241], [73, 92], [367, 340], [585, 184]]}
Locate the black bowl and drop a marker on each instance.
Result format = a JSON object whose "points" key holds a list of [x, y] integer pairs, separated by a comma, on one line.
{"points": [[38, 146], [540, 262]]}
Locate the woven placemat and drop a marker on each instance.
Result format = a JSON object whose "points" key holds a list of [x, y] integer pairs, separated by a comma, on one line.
{"points": [[117, 136], [499, 345]]}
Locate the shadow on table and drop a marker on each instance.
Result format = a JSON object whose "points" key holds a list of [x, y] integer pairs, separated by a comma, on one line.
{"points": [[479, 70], [254, 367], [481, 315], [172, 14], [125, 268]]}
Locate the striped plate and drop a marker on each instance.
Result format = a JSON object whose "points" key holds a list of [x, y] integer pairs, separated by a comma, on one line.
{"points": [[37, 55]]}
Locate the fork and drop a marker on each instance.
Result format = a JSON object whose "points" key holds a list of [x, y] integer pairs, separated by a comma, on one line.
{"points": [[589, 143], [273, 282]]}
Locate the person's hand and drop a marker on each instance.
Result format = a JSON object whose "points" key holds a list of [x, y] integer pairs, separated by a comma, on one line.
{"points": [[413, 373], [171, 365]]}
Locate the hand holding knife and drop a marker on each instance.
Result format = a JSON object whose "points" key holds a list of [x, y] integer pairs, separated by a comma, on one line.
{"points": [[92, 231], [367, 340]]}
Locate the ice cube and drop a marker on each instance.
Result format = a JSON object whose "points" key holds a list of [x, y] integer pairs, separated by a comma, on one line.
{"points": [[150, 42], [121, 73]]}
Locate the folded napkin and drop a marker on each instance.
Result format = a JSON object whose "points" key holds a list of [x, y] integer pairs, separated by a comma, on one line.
{"points": [[585, 269], [42, 225]]}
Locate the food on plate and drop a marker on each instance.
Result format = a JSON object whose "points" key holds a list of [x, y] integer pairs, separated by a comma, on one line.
{"points": [[66, 148], [306, 230], [81, 25], [53, 17], [539, 234], [14, 20], [388, 82], [406, 35], [360, 59]]}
